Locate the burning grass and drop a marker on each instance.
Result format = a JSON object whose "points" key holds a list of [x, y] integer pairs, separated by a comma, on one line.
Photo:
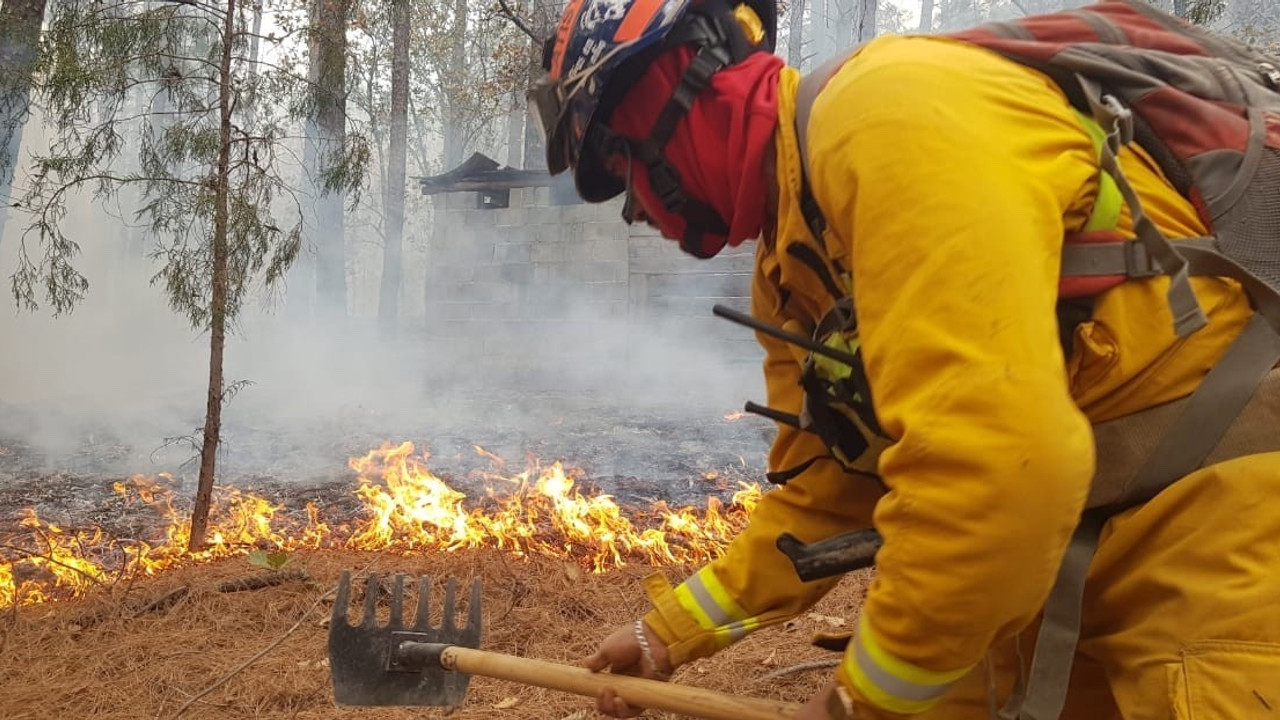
{"points": [[108, 656], [541, 511], [141, 628]]}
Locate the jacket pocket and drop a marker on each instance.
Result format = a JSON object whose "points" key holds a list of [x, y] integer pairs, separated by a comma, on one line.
{"points": [[1226, 680]]}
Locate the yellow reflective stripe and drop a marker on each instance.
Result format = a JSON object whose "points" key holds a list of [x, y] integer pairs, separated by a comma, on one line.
{"points": [[694, 608], [1091, 126], [722, 606], [831, 368], [1109, 202], [704, 597], [890, 683], [1106, 206], [735, 631]]}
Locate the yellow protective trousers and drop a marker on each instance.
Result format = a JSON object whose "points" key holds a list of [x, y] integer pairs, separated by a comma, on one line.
{"points": [[1181, 612]]}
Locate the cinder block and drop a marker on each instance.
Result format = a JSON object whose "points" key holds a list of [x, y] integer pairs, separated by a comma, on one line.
{"points": [[510, 217], [522, 197], [544, 233], [512, 252], [597, 231], [551, 273], [506, 273], [606, 292], [548, 252], [481, 218], [596, 271], [608, 250]]}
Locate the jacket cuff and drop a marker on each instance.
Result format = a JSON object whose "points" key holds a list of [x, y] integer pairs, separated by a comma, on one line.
{"points": [[887, 683], [675, 626]]}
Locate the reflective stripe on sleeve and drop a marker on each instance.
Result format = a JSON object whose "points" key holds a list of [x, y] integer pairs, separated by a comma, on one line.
{"points": [[1109, 202], [704, 597], [890, 683]]}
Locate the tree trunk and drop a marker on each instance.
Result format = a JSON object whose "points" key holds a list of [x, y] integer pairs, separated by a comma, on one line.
{"points": [[545, 18], [389, 299], [926, 16], [824, 22], [301, 280], [331, 120], [867, 20], [254, 45], [218, 294], [422, 138], [454, 127], [795, 35], [845, 29], [515, 131], [515, 120], [20, 22]]}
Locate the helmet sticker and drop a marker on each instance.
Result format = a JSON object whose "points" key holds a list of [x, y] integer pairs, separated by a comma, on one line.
{"points": [[637, 19], [563, 34], [591, 51], [600, 11]]}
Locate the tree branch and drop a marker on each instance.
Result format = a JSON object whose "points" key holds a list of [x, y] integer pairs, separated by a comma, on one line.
{"points": [[51, 561], [515, 19]]}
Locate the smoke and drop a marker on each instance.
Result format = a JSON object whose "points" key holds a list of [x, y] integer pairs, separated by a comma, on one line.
{"points": [[119, 385]]}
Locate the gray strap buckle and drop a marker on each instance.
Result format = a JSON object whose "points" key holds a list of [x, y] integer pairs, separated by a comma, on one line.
{"points": [[1271, 74], [1120, 117], [1138, 262]]}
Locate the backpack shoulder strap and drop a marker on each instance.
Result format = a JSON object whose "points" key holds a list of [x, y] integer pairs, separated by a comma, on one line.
{"points": [[806, 95]]}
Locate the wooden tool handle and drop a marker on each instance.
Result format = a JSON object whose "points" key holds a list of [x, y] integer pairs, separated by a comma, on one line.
{"points": [[639, 692]]}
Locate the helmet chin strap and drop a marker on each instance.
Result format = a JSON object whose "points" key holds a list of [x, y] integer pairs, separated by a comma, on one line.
{"points": [[720, 43], [699, 217]]}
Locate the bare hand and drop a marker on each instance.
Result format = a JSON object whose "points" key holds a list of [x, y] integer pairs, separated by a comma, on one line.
{"points": [[620, 653], [819, 706]]}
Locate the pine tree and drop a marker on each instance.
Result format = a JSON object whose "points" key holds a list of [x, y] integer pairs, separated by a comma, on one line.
{"points": [[214, 176]]}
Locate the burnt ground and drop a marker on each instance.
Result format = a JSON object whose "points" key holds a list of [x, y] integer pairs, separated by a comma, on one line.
{"points": [[639, 455], [177, 645]]}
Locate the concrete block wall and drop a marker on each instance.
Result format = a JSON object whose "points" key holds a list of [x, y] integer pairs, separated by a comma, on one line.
{"points": [[538, 280]]}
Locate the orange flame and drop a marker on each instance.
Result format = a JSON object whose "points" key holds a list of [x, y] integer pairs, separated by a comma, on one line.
{"points": [[407, 508], [734, 415]]}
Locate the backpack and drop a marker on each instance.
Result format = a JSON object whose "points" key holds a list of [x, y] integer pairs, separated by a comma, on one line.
{"points": [[1206, 108]]}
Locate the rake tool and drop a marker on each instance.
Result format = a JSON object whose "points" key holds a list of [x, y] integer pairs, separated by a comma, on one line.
{"points": [[397, 664]]}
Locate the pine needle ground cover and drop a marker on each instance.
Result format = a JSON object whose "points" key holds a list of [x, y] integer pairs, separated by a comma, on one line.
{"points": [[149, 647]]}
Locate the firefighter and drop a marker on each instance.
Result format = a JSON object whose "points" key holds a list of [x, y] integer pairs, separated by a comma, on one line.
{"points": [[947, 177]]}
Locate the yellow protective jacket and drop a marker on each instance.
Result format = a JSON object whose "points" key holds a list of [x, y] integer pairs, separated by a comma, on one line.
{"points": [[948, 177]]}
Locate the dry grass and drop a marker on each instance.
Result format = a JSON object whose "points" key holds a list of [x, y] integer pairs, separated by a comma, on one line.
{"points": [[101, 658]]}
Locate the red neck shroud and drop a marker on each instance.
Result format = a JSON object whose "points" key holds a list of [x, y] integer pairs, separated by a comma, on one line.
{"points": [[718, 147]]}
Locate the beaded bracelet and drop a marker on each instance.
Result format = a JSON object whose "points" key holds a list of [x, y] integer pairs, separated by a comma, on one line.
{"points": [[646, 652]]}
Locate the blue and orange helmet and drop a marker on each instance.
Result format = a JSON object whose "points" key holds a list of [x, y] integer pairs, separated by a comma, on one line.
{"points": [[601, 47]]}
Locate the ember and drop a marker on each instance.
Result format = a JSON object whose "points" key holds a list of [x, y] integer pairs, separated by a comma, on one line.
{"points": [[406, 507]]}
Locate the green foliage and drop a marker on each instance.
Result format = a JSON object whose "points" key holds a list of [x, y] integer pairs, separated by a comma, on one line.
{"points": [[1202, 12], [132, 97], [270, 560]]}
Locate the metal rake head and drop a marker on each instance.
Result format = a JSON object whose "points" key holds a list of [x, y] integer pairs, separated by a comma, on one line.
{"points": [[368, 661]]}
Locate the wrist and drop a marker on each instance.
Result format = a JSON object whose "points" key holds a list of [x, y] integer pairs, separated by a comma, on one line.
{"points": [[653, 649], [840, 703]]}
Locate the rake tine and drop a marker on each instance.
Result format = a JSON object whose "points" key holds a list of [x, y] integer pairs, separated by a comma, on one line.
{"points": [[370, 618], [397, 603], [450, 590], [473, 606], [342, 599], [422, 621]]}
